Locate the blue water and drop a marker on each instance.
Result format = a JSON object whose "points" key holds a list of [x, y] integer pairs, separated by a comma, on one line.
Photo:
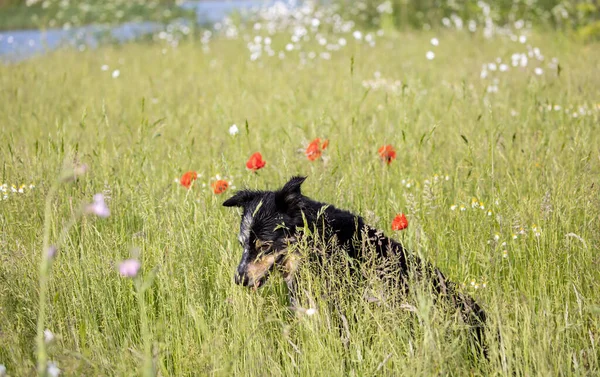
{"points": [[22, 44]]}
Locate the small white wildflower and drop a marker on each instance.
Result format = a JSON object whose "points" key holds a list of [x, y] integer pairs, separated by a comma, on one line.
{"points": [[514, 236], [481, 206], [52, 369], [48, 336], [504, 253], [453, 207], [463, 208], [104, 67], [538, 71], [357, 35], [496, 237], [289, 47], [434, 41], [430, 55], [522, 39], [310, 311], [233, 130], [116, 73], [489, 213], [503, 244]]}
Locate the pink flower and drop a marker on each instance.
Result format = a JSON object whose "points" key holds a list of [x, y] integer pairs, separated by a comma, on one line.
{"points": [[98, 207], [129, 268]]}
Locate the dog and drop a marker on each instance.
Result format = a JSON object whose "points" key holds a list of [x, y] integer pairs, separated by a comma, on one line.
{"points": [[271, 225]]}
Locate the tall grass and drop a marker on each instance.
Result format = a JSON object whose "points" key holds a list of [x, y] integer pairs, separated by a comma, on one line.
{"points": [[169, 112]]}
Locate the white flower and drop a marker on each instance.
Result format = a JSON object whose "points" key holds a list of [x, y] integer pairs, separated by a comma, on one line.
{"points": [[434, 41], [357, 35], [289, 47], [48, 336], [538, 71], [310, 311], [116, 73], [430, 55], [233, 130], [342, 41], [52, 369], [522, 39], [104, 67], [453, 207]]}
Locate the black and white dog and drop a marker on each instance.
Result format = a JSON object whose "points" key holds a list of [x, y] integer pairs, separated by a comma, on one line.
{"points": [[270, 226]]}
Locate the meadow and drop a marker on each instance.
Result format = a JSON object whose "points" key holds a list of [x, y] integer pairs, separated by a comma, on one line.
{"points": [[497, 168]]}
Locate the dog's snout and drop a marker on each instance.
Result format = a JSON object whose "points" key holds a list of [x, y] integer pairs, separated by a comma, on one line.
{"points": [[241, 278]]}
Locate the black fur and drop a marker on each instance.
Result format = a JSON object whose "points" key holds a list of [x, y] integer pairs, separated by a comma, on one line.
{"points": [[270, 223]]}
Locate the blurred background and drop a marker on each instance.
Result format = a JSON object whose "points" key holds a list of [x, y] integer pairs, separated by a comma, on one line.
{"points": [[28, 27]]}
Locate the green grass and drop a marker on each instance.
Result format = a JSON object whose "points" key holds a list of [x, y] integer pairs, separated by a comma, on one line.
{"points": [[17, 15], [169, 113]]}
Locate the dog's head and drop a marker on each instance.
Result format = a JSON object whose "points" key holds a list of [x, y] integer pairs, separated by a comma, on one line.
{"points": [[268, 227]]}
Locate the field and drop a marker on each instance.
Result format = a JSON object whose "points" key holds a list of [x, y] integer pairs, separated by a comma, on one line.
{"points": [[497, 171]]}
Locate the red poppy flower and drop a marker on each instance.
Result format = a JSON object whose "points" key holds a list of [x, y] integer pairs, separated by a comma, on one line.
{"points": [[220, 186], [255, 162], [400, 222], [187, 179], [315, 148], [387, 153]]}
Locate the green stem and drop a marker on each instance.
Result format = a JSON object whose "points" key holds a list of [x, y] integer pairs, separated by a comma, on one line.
{"points": [[148, 368], [42, 357]]}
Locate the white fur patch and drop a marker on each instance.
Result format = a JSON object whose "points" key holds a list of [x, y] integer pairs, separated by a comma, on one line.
{"points": [[247, 221]]}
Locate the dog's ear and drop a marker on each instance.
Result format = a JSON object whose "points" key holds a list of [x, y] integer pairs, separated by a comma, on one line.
{"points": [[288, 198], [240, 199]]}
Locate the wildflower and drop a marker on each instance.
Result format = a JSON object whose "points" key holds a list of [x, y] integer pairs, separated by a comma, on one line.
{"points": [[234, 130], [504, 253], [48, 336], [481, 206], [116, 73], [387, 153], [483, 284], [315, 148], [538, 71], [463, 208], [98, 207], [187, 178], [434, 41], [430, 55], [104, 67], [474, 203], [310, 311], [496, 237], [400, 222], [219, 186], [52, 369], [489, 213], [255, 162], [51, 252], [453, 207], [129, 268], [514, 236]]}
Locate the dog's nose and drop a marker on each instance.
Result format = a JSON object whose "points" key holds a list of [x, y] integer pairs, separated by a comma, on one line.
{"points": [[241, 278]]}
